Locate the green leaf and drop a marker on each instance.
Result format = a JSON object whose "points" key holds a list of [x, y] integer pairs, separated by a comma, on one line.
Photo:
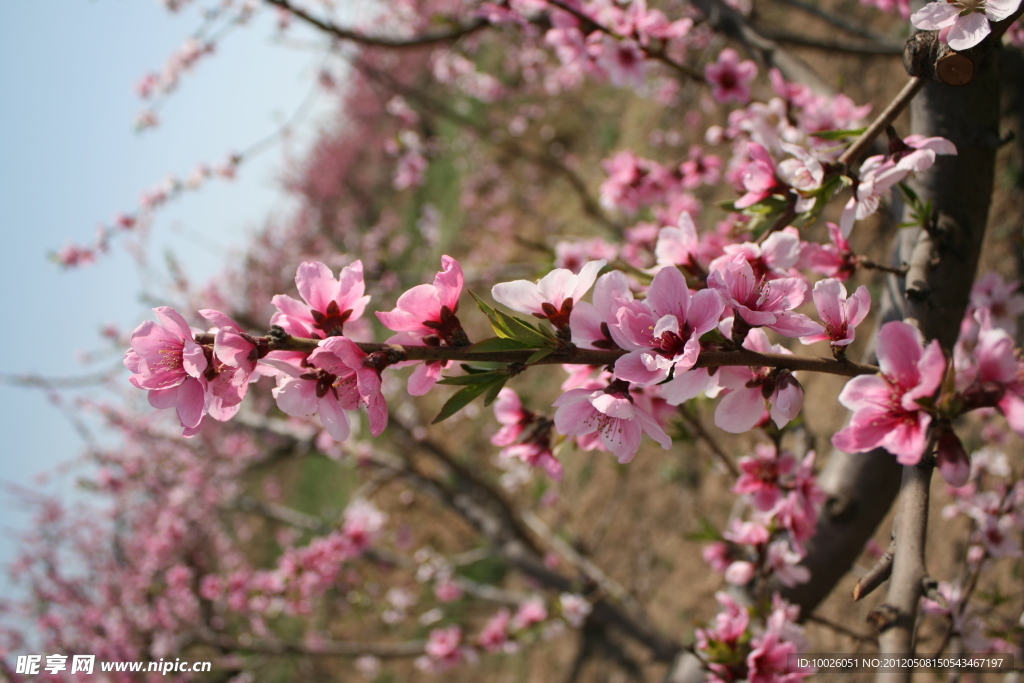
{"points": [[839, 134], [909, 192], [524, 332], [496, 387], [476, 378], [497, 344], [462, 398], [492, 315], [539, 356], [470, 370]]}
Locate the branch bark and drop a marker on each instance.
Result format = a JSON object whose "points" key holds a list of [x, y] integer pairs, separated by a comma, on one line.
{"points": [[577, 356]]}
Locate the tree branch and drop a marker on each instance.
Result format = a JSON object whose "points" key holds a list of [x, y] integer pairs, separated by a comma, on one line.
{"points": [[872, 49], [860, 147], [837, 21], [908, 569], [576, 356], [380, 41], [412, 648]]}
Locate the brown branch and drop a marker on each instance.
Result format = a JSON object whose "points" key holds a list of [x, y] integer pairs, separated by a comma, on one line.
{"points": [[506, 530], [839, 628], [380, 41], [930, 58], [836, 21], [695, 424], [875, 576], [883, 49], [412, 648], [865, 262], [860, 147], [577, 356], [908, 568]]}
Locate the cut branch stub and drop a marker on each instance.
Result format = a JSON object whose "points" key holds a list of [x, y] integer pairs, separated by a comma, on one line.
{"points": [[927, 57]]}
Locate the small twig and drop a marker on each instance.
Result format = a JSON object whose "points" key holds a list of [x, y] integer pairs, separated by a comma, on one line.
{"points": [[50, 383], [865, 262], [883, 49], [875, 576], [859, 148], [381, 41], [834, 20], [713, 444], [412, 648], [607, 584], [283, 514], [839, 628]]}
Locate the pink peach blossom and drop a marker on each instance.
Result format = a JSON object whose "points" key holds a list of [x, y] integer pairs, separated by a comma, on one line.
{"points": [[553, 296], [886, 408], [610, 414], [742, 407], [963, 23], [760, 302], [165, 359], [425, 315], [336, 380], [663, 331], [840, 314], [591, 323], [330, 302], [730, 78]]}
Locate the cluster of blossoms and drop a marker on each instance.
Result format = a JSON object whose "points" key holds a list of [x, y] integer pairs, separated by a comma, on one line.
{"points": [[918, 391], [504, 632], [786, 500], [736, 649], [702, 298], [755, 642], [302, 575], [605, 41]]}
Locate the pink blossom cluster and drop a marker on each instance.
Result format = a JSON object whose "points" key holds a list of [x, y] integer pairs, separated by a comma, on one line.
{"points": [[602, 40], [919, 392], [739, 647], [880, 173], [786, 502], [742, 290], [524, 435], [302, 575], [504, 632]]}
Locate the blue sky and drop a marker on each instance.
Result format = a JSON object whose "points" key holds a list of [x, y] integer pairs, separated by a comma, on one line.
{"points": [[70, 158]]}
